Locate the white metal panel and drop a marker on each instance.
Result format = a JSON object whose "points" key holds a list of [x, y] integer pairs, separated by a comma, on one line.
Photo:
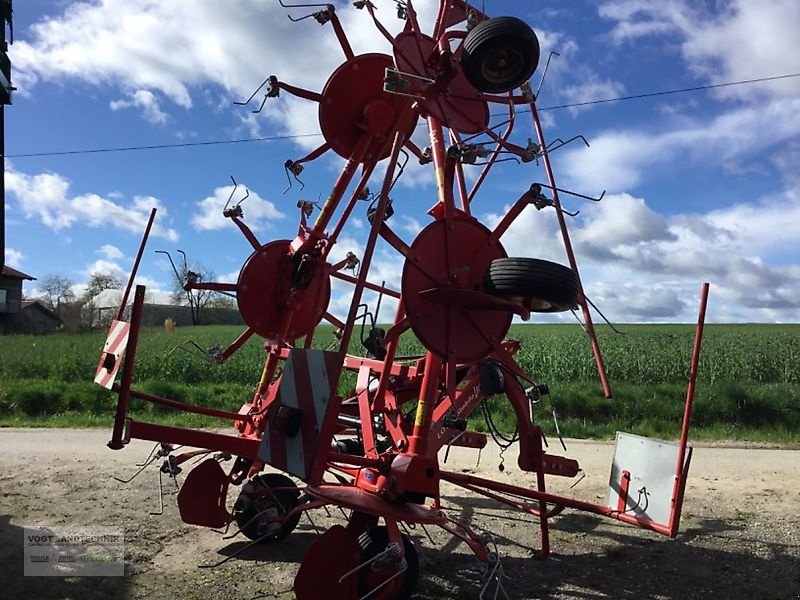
{"points": [[651, 464]]}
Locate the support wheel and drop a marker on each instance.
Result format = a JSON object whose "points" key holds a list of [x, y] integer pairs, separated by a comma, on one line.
{"points": [[551, 286], [500, 54], [370, 579], [258, 507]]}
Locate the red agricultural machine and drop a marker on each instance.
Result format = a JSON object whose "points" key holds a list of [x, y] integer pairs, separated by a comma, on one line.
{"points": [[373, 450]]}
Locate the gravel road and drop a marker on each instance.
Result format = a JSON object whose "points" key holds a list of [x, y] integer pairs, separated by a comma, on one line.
{"points": [[740, 534]]}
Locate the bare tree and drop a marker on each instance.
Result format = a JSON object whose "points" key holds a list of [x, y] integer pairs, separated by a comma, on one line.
{"points": [[56, 291]]}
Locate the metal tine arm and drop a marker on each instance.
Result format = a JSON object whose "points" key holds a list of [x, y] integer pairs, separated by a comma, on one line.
{"points": [[324, 16], [512, 115], [234, 211], [563, 143], [571, 193], [599, 312], [196, 351], [544, 73], [142, 468], [401, 166], [171, 262], [253, 95], [480, 133], [149, 456], [292, 167]]}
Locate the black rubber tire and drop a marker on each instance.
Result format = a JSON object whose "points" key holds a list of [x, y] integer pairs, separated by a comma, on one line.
{"points": [[553, 287], [373, 542], [500, 54], [247, 508]]}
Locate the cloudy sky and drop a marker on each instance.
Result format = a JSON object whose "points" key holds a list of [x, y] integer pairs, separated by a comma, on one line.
{"points": [[701, 186]]}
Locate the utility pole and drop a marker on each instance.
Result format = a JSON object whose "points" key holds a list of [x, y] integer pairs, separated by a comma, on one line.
{"points": [[5, 98]]}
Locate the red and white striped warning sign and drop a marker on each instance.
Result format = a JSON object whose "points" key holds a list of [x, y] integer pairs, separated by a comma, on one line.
{"points": [[303, 414], [113, 351]]}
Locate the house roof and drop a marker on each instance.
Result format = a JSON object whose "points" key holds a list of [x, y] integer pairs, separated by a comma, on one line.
{"points": [[9, 272], [28, 304]]}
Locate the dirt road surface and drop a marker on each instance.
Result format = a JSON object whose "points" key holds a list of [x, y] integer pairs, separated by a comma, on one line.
{"points": [[740, 534]]}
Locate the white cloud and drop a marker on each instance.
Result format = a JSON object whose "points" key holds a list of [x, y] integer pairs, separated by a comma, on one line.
{"points": [[46, 197], [592, 87], [176, 50], [618, 159], [410, 225], [739, 40], [106, 267], [14, 257], [146, 101], [257, 211], [110, 252]]}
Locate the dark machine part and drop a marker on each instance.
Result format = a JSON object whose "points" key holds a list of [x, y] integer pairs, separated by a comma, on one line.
{"points": [[6, 88]]}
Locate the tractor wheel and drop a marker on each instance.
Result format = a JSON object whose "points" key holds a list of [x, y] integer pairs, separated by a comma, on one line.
{"points": [[371, 578], [551, 286], [500, 54], [258, 506]]}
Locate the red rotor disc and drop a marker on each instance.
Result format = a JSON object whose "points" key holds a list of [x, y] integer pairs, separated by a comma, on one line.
{"points": [[353, 92], [265, 293], [451, 330], [459, 106]]}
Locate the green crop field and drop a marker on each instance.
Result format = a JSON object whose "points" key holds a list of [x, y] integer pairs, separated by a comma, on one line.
{"points": [[748, 385]]}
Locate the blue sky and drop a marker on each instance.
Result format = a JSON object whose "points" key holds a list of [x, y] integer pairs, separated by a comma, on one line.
{"points": [[701, 186]]}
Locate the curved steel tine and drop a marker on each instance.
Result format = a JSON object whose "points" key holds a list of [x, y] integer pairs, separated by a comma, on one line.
{"points": [[571, 193], [544, 73], [571, 214], [141, 464], [551, 147], [233, 191], [152, 460], [492, 128], [169, 256], [260, 108], [293, 20], [253, 95], [599, 312], [246, 196], [401, 168], [514, 158], [288, 178]]}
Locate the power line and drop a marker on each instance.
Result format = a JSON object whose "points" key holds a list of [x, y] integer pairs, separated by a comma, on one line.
{"points": [[305, 135], [163, 146], [676, 91]]}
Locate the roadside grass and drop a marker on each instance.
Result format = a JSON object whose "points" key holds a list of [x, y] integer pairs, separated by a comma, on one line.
{"points": [[749, 380], [728, 412]]}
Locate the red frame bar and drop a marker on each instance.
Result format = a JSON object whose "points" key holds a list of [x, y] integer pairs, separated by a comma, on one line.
{"points": [[682, 464], [461, 478], [239, 446], [587, 317], [190, 408], [116, 441], [136, 264]]}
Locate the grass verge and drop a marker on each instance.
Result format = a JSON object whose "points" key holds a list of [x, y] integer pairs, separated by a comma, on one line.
{"points": [[763, 413]]}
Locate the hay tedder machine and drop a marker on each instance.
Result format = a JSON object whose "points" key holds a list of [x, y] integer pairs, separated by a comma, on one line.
{"points": [[302, 442]]}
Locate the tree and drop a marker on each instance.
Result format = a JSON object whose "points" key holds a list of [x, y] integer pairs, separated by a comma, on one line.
{"points": [[92, 311], [100, 282], [56, 291], [222, 301]]}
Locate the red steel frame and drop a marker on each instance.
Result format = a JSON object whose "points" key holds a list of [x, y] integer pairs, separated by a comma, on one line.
{"points": [[444, 385]]}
